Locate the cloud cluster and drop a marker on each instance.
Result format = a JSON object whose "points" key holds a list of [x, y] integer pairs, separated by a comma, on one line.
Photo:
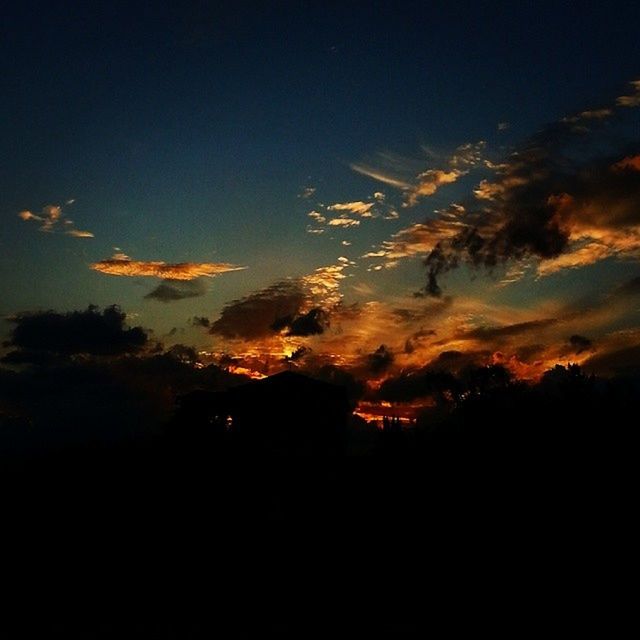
{"points": [[442, 334], [357, 208], [253, 316], [568, 197], [52, 219], [122, 265], [313, 322], [78, 332], [296, 307], [396, 172], [345, 215], [558, 199]]}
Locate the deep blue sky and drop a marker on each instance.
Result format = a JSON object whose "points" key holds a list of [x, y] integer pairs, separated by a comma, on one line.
{"points": [[187, 132]]}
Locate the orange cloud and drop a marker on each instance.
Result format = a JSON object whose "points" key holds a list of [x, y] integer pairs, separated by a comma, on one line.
{"points": [[121, 265], [630, 163], [358, 208], [429, 182], [580, 256], [343, 222], [418, 239], [52, 220], [318, 217]]}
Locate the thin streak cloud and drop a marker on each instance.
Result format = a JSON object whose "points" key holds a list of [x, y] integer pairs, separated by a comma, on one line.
{"points": [[120, 265]]}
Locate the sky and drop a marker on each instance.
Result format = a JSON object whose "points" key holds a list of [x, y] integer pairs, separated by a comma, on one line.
{"points": [[380, 186]]}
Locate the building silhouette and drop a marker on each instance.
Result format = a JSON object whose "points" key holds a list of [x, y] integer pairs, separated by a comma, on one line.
{"points": [[287, 413]]}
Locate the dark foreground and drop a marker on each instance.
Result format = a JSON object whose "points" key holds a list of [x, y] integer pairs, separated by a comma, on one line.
{"points": [[511, 513], [166, 540]]}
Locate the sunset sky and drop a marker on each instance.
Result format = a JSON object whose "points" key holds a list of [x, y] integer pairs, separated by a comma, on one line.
{"points": [[375, 185]]}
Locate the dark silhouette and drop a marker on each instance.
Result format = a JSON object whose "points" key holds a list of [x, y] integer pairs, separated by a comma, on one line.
{"points": [[194, 529], [287, 413]]}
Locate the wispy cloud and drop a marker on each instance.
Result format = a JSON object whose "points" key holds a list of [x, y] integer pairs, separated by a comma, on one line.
{"points": [[296, 307], [429, 182], [591, 114], [380, 176], [77, 233], [52, 219], [557, 202], [630, 100], [307, 192], [122, 265], [419, 238], [426, 182]]}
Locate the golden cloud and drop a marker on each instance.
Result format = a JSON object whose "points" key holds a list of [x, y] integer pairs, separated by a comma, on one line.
{"points": [[121, 265], [429, 182], [343, 222], [52, 219], [630, 163], [358, 208], [419, 238], [318, 217], [425, 183]]}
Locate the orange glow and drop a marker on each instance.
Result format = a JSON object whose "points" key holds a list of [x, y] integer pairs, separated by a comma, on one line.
{"points": [[121, 265], [630, 163], [244, 371], [405, 412]]}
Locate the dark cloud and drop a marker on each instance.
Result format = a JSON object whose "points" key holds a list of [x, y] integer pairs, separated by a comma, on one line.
{"points": [[455, 361], [436, 380], [412, 385], [580, 343], [173, 290], [314, 322], [530, 352], [488, 333], [37, 358], [417, 338], [620, 362], [78, 332], [95, 400], [557, 193], [183, 353], [298, 354], [380, 360], [200, 321], [254, 316], [338, 376], [629, 288]]}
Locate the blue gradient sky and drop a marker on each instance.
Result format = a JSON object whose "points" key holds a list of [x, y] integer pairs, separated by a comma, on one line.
{"points": [[188, 132]]}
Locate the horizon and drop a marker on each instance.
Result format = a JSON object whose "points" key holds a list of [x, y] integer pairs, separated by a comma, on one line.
{"points": [[376, 188]]}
